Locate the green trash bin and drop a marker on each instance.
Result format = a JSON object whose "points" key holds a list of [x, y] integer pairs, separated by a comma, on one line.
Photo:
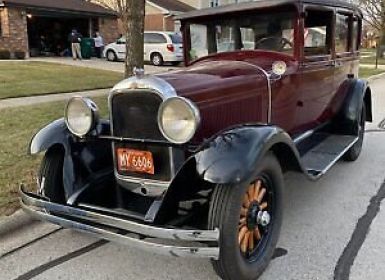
{"points": [[86, 47]]}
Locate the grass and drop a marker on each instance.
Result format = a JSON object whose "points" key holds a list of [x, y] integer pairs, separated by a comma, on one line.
{"points": [[368, 56], [19, 79], [17, 127], [367, 72]]}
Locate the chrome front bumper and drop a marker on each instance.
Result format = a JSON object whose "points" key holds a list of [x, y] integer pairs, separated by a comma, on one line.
{"points": [[133, 234]]}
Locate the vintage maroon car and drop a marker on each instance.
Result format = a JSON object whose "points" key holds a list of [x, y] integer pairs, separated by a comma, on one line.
{"points": [[195, 157]]}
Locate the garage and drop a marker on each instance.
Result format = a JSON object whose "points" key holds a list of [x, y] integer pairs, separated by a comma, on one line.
{"points": [[42, 27]]}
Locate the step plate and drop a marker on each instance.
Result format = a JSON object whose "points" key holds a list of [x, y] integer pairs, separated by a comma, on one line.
{"points": [[323, 155]]}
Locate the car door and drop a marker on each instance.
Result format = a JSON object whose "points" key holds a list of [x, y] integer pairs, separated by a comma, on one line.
{"points": [[317, 69], [347, 55]]}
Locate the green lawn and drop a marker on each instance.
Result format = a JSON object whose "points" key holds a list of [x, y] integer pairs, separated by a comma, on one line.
{"points": [[368, 56], [34, 78], [367, 72], [17, 127]]}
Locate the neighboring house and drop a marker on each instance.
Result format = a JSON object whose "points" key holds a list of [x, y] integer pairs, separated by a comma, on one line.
{"points": [[160, 14], [43, 26], [201, 4]]}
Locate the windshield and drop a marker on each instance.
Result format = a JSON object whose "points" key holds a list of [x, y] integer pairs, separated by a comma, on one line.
{"points": [[268, 31]]}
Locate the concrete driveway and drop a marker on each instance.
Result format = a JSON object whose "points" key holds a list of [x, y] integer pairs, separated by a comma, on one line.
{"points": [[333, 229]]}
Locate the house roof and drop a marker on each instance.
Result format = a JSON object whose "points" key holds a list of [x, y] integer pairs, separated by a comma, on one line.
{"points": [[78, 6], [259, 4], [172, 5]]}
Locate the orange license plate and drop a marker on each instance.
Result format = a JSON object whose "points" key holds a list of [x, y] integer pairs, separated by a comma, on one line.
{"points": [[135, 161]]}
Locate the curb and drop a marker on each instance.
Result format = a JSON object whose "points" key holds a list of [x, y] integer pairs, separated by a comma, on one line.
{"points": [[17, 220], [375, 77]]}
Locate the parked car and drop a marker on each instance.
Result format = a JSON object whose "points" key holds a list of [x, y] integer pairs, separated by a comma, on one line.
{"points": [[159, 47], [197, 156]]}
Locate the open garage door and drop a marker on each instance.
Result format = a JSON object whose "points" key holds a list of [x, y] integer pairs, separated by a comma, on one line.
{"points": [[48, 32]]}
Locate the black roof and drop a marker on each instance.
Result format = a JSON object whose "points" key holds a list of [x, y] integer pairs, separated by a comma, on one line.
{"points": [[259, 4], [77, 6]]}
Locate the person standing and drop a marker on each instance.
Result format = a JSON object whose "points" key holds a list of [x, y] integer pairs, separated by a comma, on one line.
{"points": [[99, 45], [75, 39]]}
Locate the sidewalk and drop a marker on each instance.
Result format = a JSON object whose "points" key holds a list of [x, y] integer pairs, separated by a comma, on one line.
{"points": [[33, 100], [101, 64]]}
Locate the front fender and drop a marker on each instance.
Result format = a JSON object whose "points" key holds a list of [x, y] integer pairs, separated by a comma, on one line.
{"points": [[232, 157], [82, 158], [54, 133]]}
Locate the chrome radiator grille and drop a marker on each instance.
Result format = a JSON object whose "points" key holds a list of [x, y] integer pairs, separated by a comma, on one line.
{"points": [[134, 115]]}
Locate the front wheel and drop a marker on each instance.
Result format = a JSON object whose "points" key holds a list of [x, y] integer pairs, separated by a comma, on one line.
{"points": [[249, 218], [111, 56], [51, 176]]}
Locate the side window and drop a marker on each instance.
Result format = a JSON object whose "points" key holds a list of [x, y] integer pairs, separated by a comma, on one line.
{"points": [[318, 33], [342, 33], [154, 38], [356, 34]]}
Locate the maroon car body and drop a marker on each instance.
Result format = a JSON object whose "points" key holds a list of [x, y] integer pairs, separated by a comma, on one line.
{"points": [[197, 155]]}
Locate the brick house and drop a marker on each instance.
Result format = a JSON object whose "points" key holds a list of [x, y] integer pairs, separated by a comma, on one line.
{"points": [[160, 14], [27, 25]]}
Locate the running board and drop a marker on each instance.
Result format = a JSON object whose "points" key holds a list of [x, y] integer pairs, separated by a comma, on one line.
{"points": [[323, 151]]}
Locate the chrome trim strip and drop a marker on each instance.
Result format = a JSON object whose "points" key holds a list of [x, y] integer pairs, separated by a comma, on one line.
{"points": [[30, 201], [338, 157], [269, 89], [303, 136]]}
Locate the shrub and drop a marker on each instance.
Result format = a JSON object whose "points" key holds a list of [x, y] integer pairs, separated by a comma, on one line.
{"points": [[19, 55], [5, 54]]}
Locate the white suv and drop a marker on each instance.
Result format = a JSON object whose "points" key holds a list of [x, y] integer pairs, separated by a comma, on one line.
{"points": [[159, 47]]}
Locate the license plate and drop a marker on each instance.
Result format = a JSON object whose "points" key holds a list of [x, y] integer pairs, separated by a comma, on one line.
{"points": [[135, 161]]}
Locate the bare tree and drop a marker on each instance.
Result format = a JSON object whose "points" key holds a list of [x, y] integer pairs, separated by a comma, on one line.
{"points": [[131, 13], [374, 15]]}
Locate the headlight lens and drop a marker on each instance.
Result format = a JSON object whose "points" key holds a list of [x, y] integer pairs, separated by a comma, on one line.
{"points": [[178, 119], [81, 115]]}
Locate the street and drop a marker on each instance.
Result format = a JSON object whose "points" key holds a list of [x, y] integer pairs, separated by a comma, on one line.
{"points": [[332, 229]]}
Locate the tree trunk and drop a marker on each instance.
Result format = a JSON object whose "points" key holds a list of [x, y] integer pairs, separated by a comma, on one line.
{"points": [[134, 28]]}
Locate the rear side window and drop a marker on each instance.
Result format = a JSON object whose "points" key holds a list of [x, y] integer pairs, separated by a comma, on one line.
{"points": [[176, 38], [342, 33], [318, 33], [154, 38], [355, 34]]}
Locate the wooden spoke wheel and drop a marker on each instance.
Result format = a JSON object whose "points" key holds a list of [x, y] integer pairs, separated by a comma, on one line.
{"points": [[254, 218], [249, 218]]}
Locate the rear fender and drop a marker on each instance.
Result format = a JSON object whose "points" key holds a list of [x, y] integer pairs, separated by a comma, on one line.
{"points": [[346, 121], [82, 158]]}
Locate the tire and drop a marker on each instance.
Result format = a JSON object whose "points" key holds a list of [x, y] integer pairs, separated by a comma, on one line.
{"points": [[157, 59], [354, 152], [225, 213], [111, 55], [51, 176]]}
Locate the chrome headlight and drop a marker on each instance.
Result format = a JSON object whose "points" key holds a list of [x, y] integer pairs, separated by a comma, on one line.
{"points": [[81, 115], [178, 119]]}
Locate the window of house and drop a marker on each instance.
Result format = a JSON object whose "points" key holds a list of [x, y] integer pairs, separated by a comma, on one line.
{"points": [[318, 33], [342, 33], [154, 38]]}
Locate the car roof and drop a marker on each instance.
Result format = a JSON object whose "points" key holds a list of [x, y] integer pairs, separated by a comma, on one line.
{"points": [[260, 4]]}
